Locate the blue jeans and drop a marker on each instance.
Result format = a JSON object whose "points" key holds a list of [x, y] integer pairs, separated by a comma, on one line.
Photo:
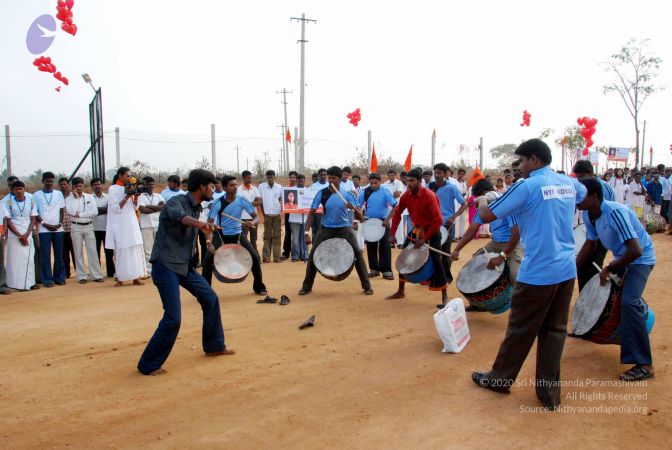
{"points": [[635, 346], [47, 240], [299, 247], [168, 283]]}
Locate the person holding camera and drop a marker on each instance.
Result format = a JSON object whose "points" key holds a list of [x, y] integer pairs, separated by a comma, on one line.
{"points": [[150, 205], [123, 233]]}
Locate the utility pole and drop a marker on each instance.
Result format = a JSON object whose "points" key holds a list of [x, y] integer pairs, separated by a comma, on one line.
{"points": [[283, 163], [117, 142], [247, 163], [296, 151], [433, 148], [643, 139], [564, 156], [368, 168], [214, 150], [480, 149], [8, 147], [284, 93], [238, 159], [302, 137]]}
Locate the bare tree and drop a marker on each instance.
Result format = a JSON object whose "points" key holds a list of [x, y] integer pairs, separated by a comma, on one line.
{"points": [[634, 69], [203, 163]]}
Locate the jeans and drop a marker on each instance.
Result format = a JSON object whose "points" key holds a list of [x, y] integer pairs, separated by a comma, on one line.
{"points": [[317, 224], [83, 235], [47, 241], [68, 253], [379, 254], [258, 284], [299, 247], [109, 253], [168, 283], [287, 239], [272, 237], [635, 346], [347, 234]]}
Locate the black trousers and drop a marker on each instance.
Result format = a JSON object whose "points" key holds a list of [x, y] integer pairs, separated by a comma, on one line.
{"points": [[587, 270], [287, 239], [379, 253], [445, 261], [438, 281], [327, 233], [537, 312], [68, 254], [208, 265], [109, 253]]}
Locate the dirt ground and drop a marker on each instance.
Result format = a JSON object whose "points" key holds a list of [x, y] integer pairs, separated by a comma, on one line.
{"points": [[370, 374]]}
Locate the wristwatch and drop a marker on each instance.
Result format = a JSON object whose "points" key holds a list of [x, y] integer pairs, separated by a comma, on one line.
{"points": [[504, 255]]}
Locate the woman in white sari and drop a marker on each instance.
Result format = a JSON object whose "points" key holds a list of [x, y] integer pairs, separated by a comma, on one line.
{"points": [[20, 213], [619, 185]]}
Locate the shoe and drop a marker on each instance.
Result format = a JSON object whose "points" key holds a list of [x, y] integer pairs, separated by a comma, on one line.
{"points": [[5, 292], [308, 323], [374, 274], [368, 291], [483, 380], [265, 260], [59, 283], [34, 287], [388, 275], [282, 258], [262, 292], [304, 291], [284, 300], [49, 285], [82, 281], [268, 300], [99, 280]]}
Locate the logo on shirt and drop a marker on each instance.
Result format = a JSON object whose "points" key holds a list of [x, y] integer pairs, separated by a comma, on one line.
{"points": [[551, 192]]}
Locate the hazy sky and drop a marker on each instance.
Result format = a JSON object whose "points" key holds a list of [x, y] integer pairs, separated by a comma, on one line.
{"points": [[169, 69]]}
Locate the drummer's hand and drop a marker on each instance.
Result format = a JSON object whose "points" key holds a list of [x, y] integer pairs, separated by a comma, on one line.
{"points": [[419, 243], [249, 225], [449, 222], [208, 226], [386, 223], [309, 240], [393, 240], [355, 226], [211, 248], [495, 262], [604, 276], [455, 256], [350, 206]]}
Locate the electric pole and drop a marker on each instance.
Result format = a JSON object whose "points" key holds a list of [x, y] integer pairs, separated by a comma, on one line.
{"points": [[284, 93], [238, 159], [8, 149], [480, 149], [433, 148], [283, 163], [643, 139], [301, 138]]}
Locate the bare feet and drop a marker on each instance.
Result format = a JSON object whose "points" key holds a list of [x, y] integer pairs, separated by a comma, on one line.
{"points": [[225, 352], [138, 283], [118, 284], [158, 372], [395, 296]]}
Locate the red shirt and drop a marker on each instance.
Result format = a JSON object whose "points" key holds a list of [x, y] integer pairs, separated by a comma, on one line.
{"points": [[424, 210]]}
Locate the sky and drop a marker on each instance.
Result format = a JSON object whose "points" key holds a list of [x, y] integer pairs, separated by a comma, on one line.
{"points": [[169, 69]]}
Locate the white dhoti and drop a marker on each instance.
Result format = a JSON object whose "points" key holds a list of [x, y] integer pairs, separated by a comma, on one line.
{"points": [[129, 263], [20, 263]]}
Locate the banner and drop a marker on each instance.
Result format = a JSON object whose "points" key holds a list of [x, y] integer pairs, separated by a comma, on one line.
{"points": [[297, 200], [594, 158], [618, 154]]}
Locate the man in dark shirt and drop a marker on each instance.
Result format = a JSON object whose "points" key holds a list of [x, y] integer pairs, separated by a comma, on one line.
{"points": [[171, 268]]}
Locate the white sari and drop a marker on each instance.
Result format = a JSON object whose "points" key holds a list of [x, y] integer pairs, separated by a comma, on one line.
{"points": [[20, 258]]}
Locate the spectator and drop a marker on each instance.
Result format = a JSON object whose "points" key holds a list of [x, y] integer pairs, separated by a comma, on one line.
{"points": [[150, 205]]}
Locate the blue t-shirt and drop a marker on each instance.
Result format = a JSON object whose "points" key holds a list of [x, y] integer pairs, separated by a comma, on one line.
{"points": [[168, 193], [448, 194], [500, 228], [607, 191], [618, 224], [336, 214], [235, 208], [544, 206], [655, 190], [378, 203]]}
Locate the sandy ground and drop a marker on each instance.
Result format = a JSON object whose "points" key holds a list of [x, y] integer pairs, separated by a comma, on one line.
{"points": [[370, 374]]}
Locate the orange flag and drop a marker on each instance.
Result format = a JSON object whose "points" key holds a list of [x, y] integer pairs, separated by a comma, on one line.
{"points": [[288, 137], [475, 176], [374, 161], [407, 164]]}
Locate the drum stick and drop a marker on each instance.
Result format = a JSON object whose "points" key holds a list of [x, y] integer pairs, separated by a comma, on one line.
{"points": [[333, 189], [613, 277], [232, 218]]}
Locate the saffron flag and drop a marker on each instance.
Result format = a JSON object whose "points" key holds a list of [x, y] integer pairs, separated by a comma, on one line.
{"points": [[475, 176], [407, 164], [374, 161], [288, 137]]}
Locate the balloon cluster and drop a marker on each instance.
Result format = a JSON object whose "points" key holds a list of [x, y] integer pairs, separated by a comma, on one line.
{"points": [[44, 64], [355, 117], [61, 78], [587, 131], [64, 8], [526, 119]]}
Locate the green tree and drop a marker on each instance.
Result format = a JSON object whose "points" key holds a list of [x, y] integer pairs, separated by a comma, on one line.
{"points": [[572, 138], [634, 70], [504, 154]]}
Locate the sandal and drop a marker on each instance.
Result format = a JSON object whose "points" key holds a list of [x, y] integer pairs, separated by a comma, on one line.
{"points": [[268, 300], [284, 300], [388, 275], [636, 373]]}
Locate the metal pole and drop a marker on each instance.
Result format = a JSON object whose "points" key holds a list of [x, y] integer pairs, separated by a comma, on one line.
{"points": [[480, 148], [302, 136], [563, 157], [433, 148], [296, 150], [643, 139], [237, 159], [214, 149], [368, 167], [117, 142], [285, 144], [8, 147]]}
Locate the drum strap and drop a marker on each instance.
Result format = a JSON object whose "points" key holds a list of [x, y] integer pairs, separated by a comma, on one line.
{"points": [[326, 193], [367, 193]]}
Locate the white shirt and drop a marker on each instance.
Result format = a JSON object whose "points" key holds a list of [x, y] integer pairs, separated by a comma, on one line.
{"points": [[636, 201], [317, 186], [100, 222], [271, 198], [20, 213], [122, 224], [348, 185], [84, 205], [49, 206], [150, 220], [396, 186], [167, 193], [250, 195]]}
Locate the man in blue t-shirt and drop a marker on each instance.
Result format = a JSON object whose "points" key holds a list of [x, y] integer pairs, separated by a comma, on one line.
{"points": [[335, 224], [233, 205], [379, 204], [618, 228], [544, 204]]}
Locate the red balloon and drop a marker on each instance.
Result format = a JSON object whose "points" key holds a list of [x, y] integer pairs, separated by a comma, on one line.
{"points": [[70, 3], [585, 152], [57, 89], [61, 3], [589, 142], [579, 120]]}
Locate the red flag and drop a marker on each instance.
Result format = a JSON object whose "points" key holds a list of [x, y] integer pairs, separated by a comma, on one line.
{"points": [[288, 137], [407, 164], [374, 161]]}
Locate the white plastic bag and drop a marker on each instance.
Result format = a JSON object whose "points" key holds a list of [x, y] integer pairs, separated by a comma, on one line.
{"points": [[451, 324]]}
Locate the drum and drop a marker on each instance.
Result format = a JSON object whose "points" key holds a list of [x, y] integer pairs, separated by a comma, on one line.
{"points": [[579, 238], [487, 290], [415, 264], [232, 263], [334, 259], [597, 313], [373, 230], [444, 234], [655, 223]]}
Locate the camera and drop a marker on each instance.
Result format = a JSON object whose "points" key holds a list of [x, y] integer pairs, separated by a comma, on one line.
{"points": [[134, 187]]}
